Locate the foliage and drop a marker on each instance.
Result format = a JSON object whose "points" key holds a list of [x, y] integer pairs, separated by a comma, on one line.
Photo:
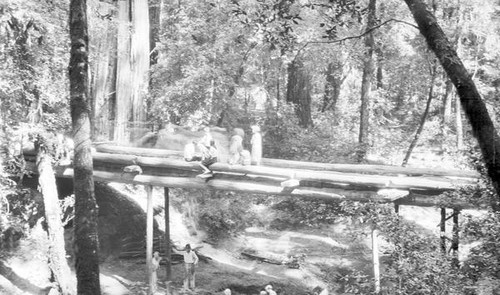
{"points": [[300, 213], [34, 84], [483, 264], [284, 138], [412, 262], [222, 215]]}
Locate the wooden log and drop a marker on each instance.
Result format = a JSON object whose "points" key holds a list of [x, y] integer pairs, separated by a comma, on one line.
{"points": [[252, 187], [347, 168], [359, 180], [261, 258]]}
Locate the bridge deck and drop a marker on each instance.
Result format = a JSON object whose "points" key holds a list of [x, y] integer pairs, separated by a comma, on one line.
{"points": [[411, 186]]}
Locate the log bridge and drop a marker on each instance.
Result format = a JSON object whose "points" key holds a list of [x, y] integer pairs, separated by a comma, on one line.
{"points": [[336, 182]]}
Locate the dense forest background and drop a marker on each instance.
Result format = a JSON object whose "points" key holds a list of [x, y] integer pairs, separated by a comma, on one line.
{"points": [[327, 81]]}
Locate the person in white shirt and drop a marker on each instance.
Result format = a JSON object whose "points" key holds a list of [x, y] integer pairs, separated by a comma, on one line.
{"points": [[256, 145], [190, 260], [155, 264]]}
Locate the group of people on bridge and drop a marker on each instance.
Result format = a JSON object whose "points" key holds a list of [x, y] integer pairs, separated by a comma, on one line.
{"points": [[205, 150]]}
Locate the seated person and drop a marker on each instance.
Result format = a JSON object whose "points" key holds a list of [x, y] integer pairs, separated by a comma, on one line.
{"points": [[209, 156]]}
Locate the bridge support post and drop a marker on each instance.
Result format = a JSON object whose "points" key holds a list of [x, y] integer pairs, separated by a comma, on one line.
{"points": [[442, 226], [149, 238], [376, 264], [167, 254], [455, 238]]}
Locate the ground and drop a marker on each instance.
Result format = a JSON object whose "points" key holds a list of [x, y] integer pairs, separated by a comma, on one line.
{"points": [[339, 247]]}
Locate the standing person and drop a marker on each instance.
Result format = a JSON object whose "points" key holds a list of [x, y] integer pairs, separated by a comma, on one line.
{"points": [[207, 136], [235, 146], [256, 142], [155, 265], [190, 260], [209, 157]]}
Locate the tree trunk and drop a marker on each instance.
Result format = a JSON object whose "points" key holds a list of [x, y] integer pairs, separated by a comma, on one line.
{"points": [[474, 107], [424, 116], [448, 97], [459, 125], [334, 80], [380, 69], [103, 73], [85, 222], [366, 84], [299, 92], [57, 252], [154, 29], [132, 67]]}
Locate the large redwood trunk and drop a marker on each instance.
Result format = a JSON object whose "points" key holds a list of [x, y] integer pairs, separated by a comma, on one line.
{"points": [[85, 221], [472, 103], [132, 67], [103, 72]]}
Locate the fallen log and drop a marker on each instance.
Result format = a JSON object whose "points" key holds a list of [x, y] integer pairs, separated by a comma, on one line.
{"points": [[261, 258]]}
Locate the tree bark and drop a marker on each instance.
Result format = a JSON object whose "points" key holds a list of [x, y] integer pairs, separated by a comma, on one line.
{"points": [[154, 29], [85, 221], [103, 73], [132, 67], [459, 125], [475, 109], [299, 92], [366, 83], [424, 116], [57, 252]]}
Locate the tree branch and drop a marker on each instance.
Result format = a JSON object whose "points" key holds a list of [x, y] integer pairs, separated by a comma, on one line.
{"points": [[356, 36]]}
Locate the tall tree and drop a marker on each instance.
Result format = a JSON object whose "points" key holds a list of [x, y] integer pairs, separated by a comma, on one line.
{"points": [[103, 31], [420, 128], [85, 221], [366, 83], [132, 66], [299, 91], [475, 109], [335, 77]]}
